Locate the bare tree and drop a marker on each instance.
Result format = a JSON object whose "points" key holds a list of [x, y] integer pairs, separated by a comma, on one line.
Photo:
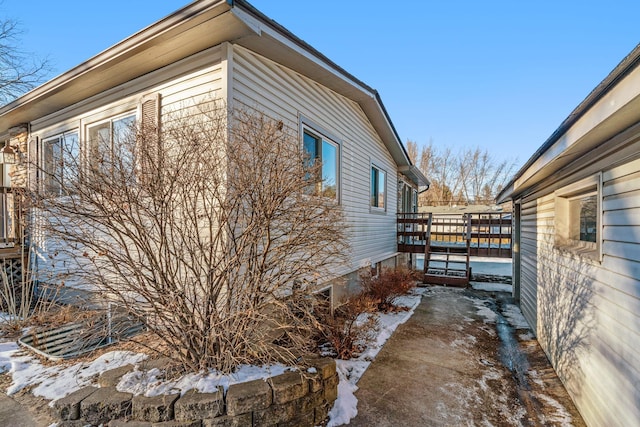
{"points": [[470, 176], [210, 233], [413, 151], [19, 70], [483, 176]]}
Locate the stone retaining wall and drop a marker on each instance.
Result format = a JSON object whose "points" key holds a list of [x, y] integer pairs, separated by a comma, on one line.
{"points": [[289, 399]]}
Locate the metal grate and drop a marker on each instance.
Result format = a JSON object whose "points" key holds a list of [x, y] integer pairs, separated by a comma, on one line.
{"points": [[75, 339]]}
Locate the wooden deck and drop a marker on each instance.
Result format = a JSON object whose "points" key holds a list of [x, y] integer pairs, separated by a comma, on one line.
{"points": [[490, 233], [449, 240]]}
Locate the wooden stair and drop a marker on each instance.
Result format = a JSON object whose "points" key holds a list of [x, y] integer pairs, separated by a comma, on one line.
{"points": [[447, 262]]}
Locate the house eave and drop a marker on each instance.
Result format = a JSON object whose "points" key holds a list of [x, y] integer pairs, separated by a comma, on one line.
{"points": [[415, 174], [172, 38], [612, 107], [192, 29], [280, 45]]}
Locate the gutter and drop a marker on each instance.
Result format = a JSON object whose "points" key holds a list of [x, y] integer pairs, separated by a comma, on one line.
{"points": [[629, 63]]}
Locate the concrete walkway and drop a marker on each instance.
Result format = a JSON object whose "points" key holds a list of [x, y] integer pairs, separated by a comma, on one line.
{"points": [[13, 414], [459, 362]]}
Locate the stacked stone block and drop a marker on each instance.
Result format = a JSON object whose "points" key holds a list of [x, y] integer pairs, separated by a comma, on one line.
{"points": [[290, 399]]}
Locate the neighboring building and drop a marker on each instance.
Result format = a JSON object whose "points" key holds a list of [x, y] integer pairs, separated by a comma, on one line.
{"points": [[229, 50], [577, 248]]}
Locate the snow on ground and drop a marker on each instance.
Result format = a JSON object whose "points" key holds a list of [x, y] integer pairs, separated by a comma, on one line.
{"points": [[56, 381], [514, 316], [491, 287], [350, 371], [5, 317], [560, 417], [485, 311], [151, 383]]}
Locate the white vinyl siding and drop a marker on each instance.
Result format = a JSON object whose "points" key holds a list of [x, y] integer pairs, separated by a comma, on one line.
{"points": [[178, 88], [587, 312], [280, 93]]}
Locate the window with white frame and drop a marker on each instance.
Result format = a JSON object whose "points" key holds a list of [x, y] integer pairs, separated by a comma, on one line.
{"points": [[110, 140], [578, 217], [319, 148], [57, 154], [378, 188]]}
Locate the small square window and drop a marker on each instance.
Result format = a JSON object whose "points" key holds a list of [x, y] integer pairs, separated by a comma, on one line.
{"points": [[584, 218], [577, 218]]}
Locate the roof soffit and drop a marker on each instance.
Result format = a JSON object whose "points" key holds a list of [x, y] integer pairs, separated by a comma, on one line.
{"points": [[614, 112], [196, 27], [272, 44]]}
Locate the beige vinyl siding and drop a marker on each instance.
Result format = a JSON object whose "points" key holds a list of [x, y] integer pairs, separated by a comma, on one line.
{"points": [[588, 311], [280, 93]]}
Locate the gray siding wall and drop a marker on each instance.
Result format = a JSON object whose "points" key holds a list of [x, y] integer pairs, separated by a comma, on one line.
{"points": [[586, 312], [263, 85]]}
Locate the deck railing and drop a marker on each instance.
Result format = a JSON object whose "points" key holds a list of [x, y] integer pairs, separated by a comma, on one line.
{"points": [[490, 232]]}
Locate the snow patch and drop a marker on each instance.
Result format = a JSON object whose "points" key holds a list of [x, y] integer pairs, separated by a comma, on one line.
{"points": [[55, 382], [514, 316], [560, 417], [489, 315], [151, 383], [527, 336], [350, 371], [491, 287]]}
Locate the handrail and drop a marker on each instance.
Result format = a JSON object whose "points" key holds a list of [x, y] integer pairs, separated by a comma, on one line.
{"points": [[488, 234]]}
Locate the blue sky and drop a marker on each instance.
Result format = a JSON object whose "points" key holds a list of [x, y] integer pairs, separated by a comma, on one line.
{"points": [[463, 73]]}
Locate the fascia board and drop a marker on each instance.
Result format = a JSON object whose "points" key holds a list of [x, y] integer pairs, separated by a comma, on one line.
{"points": [[611, 114]]}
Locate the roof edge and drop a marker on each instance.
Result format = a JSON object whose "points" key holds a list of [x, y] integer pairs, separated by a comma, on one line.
{"points": [[629, 63], [111, 52], [245, 5]]}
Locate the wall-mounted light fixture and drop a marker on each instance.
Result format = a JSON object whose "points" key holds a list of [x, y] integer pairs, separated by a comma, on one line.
{"points": [[7, 154]]}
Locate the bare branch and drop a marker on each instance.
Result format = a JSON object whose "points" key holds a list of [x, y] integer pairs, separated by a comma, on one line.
{"points": [[205, 231]]}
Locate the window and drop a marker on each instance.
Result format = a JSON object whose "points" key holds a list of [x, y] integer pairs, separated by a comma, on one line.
{"points": [[321, 149], [577, 217], [55, 168], [584, 213], [108, 140], [378, 187]]}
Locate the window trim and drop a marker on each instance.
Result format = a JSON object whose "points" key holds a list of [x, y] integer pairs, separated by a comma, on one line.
{"points": [[307, 126], [563, 220], [372, 208]]}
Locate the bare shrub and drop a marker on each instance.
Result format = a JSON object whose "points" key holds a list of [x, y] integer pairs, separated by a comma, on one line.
{"points": [[201, 229], [387, 286], [20, 301], [349, 329]]}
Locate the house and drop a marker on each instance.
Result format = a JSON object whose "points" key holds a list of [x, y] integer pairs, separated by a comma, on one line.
{"points": [[229, 50], [576, 265]]}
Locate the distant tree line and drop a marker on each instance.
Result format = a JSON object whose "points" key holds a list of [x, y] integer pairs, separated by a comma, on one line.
{"points": [[469, 176]]}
